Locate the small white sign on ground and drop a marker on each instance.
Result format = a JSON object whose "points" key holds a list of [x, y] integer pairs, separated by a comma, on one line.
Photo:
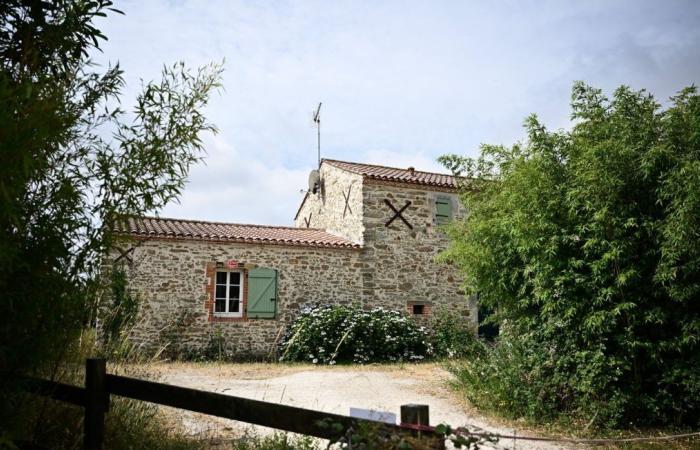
{"points": [[371, 414]]}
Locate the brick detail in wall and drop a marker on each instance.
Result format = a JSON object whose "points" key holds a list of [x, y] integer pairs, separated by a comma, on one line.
{"points": [[210, 289], [411, 304]]}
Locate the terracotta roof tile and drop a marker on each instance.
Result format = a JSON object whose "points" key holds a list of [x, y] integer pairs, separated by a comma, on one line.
{"points": [[164, 228], [393, 174]]}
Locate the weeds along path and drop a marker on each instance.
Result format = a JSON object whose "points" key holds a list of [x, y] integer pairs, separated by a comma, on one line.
{"points": [[334, 389]]}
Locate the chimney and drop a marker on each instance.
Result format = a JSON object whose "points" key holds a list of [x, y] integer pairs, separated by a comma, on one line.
{"points": [[412, 170]]}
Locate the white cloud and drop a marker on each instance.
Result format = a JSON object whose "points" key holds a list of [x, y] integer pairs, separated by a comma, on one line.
{"points": [[401, 83], [231, 186]]}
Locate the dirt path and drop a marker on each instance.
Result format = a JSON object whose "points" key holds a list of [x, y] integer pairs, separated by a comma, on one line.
{"points": [[331, 389]]}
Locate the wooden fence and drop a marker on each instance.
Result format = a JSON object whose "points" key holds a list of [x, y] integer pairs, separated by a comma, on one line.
{"points": [[99, 385]]}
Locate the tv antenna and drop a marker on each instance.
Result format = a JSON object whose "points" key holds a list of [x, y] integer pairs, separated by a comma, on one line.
{"points": [[317, 121]]}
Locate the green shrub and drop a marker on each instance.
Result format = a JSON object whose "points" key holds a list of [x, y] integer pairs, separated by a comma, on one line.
{"points": [[216, 348], [330, 334], [584, 243], [452, 335], [275, 441], [374, 436], [520, 377], [118, 315]]}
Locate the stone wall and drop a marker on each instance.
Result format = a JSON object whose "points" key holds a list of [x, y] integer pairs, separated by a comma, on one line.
{"points": [[327, 209], [399, 266], [170, 279]]}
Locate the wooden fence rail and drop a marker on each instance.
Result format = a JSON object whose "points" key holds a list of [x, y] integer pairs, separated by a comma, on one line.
{"points": [[282, 417], [99, 385], [68, 393]]}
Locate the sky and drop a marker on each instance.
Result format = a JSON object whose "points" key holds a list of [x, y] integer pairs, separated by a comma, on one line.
{"points": [[401, 82]]}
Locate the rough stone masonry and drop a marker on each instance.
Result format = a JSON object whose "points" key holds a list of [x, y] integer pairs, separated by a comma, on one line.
{"points": [[369, 236]]}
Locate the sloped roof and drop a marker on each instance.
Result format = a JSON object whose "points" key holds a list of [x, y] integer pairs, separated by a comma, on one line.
{"points": [[165, 228], [396, 175]]}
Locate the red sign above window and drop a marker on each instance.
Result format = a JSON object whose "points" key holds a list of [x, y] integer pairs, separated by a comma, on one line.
{"points": [[232, 264]]}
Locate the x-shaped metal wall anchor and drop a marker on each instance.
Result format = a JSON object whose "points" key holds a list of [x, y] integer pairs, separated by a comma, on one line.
{"points": [[347, 201], [307, 221], [397, 213], [125, 254]]}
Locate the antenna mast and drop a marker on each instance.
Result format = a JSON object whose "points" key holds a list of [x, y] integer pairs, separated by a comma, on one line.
{"points": [[317, 121]]}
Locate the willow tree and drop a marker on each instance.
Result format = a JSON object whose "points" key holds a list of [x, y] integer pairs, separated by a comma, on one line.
{"points": [[71, 161]]}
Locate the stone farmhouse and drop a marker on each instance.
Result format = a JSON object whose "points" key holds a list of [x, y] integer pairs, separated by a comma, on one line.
{"points": [[365, 234]]}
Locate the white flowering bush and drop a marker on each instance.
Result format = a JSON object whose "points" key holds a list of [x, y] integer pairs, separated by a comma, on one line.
{"points": [[331, 334]]}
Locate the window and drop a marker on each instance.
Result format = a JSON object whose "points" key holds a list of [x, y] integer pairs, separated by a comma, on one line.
{"points": [[418, 308], [229, 294], [443, 209]]}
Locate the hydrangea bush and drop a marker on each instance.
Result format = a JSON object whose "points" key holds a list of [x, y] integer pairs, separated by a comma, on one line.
{"points": [[330, 334]]}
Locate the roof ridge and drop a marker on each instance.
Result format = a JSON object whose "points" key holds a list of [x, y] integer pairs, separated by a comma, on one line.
{"points": [[173, 219], [330, 160]]}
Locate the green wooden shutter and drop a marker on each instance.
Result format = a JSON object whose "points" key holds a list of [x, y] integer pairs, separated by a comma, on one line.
{"points": [[443, 209], [262, 293]]}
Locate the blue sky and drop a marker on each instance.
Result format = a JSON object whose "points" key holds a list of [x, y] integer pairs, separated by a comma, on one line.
{"points": [[401, 82]]}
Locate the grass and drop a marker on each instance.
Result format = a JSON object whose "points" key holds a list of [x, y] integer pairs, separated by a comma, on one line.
{"points": [[46, 423], [211, 375], [566, 427], [258, 370], [133, 424], [678, 444]]}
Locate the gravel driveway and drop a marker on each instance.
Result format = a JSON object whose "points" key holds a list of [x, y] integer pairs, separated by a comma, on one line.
{"points": [[331, 389]]}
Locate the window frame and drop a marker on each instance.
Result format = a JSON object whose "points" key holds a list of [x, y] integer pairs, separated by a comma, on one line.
{"points": [[241, 305]]}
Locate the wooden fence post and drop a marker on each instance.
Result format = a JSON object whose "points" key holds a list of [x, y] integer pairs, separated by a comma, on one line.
{"points": [[96, 403], [413, 414]]}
